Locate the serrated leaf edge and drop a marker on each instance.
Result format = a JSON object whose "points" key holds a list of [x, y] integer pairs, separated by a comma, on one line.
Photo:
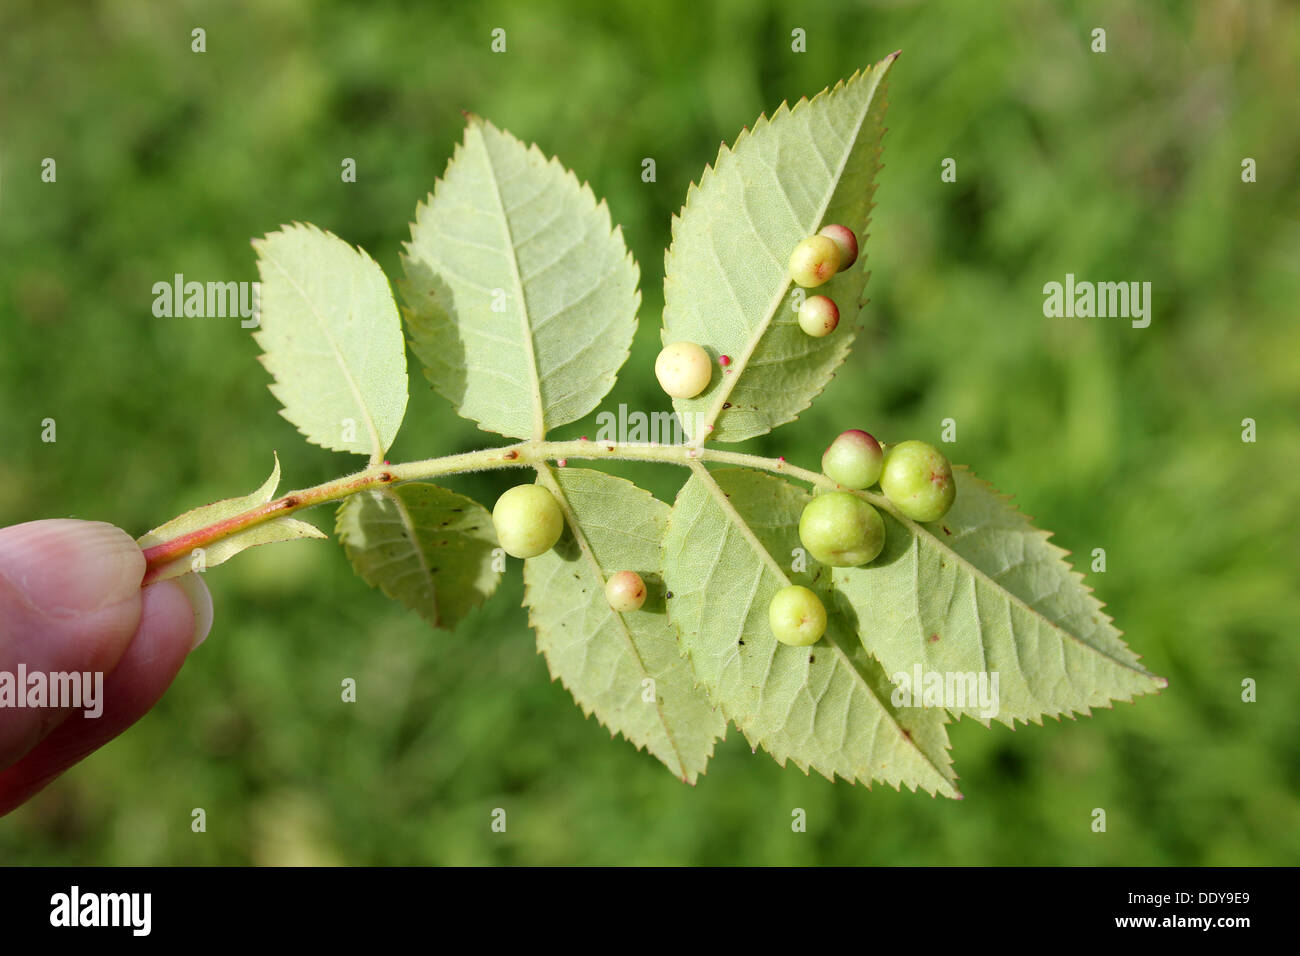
{"points": [[425, 208], [721, 498], [408, 528], [547, 478], [707, 423], [1079, 579], [376, 443]]}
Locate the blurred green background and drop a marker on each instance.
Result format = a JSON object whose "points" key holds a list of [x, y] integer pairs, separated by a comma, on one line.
{"points": [[1117, 166]]}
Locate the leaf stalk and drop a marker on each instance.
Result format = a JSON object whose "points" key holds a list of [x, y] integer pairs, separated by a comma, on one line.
{"points": [[521, 455]]}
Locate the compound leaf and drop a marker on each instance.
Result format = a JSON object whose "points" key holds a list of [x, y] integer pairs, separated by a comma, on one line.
{"points": [[521, 298], [332, 340], [624, 668], [423, 545], [730, 537], [984, 592], [726, 282]]}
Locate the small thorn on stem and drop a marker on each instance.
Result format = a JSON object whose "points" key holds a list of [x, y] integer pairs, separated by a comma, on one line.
{"points": [[510, 455]]}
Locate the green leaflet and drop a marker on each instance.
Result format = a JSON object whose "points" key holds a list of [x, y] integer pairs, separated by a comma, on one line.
{"points": [[268, 532], [726, 281], [332, 340], [605, 658], [983, 591], [521, 298], [423, 545], [731, 535]]}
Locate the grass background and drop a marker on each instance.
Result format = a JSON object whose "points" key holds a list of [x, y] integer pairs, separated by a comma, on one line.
{"points": [[1117, 166]]}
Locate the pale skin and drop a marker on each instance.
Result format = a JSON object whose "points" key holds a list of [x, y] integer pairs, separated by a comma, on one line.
{"points": [[72, 600]]}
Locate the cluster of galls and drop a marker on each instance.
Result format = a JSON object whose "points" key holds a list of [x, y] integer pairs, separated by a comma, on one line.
{"points": [[841, 530], [684, 369], [813, 262], [837, 528]]}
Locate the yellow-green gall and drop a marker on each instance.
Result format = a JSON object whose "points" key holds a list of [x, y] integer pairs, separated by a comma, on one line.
{"points": [[845, 241], [528, 521], [625, 592], [841, 530], [683, 369], [917, 480], [854, 459], [814, 260], [818, 316], [797, 616]]}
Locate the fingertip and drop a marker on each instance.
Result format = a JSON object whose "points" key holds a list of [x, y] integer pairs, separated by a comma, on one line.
{"points": [[165, 636], [67, 568], [175, 617], [69, 594], [200, 600]]}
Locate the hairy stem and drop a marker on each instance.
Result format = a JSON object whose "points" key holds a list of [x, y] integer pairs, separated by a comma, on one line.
{"points": [[521, 455]]}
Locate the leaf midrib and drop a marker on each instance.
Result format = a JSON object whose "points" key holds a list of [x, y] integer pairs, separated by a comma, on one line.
{"points": [[544, 471], [715, 490], [377, 449], [408, 526], [539, 413], [724, 393], [1011, 597]]}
